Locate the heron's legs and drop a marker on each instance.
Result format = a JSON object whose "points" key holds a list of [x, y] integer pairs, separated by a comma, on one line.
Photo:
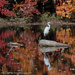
{"points": [[48, 37], [44, 37]]}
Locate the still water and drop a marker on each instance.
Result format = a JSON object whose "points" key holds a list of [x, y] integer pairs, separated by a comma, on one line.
{"points": [[20, 53]]}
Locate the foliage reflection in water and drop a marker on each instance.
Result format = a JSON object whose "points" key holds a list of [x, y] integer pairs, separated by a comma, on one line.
{"points": [[29, 60]]}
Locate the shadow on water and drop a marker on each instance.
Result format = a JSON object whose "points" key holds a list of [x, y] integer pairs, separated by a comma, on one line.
{"points": [[30, 59]]}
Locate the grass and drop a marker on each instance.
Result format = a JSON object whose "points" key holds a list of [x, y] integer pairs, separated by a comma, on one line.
{"points": [[49, 17]]}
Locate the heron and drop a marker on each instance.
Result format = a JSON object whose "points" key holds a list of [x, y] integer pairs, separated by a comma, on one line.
{"points": [[46, 30], [46, 61]]}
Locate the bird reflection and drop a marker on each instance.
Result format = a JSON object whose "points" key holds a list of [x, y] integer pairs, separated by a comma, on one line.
{"points": [[46, 61]]}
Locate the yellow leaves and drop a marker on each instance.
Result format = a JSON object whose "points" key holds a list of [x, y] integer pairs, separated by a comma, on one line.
{"points": [[67, 16], [70, 6], [63, 3], [68, 29]]}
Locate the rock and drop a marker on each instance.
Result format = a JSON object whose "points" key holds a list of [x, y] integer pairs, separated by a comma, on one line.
{"points": [[50, 43]]}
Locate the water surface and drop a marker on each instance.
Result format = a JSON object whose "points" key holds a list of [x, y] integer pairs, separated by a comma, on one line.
{"points": [[29, 60]]}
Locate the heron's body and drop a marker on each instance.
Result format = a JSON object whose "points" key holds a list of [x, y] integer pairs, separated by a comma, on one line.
{"points": [[46, 30], [47, 63]]}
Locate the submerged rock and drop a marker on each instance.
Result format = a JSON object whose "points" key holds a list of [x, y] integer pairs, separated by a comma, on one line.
{"points": [[50, 43]]}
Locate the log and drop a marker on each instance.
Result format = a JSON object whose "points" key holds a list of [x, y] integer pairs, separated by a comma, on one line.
{"points": [[50, 43], [23, 23], [14, 44]]}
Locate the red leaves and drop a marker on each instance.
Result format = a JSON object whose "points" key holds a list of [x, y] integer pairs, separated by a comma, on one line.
{"points": [[27, 36], [28, 7], [3, 49], [3, 2], [16, 66], [43, 1], [2, 44], [3, 36], [0, 9], [20, 57], [7, 33], [2, 59], [12, 63], [7, 13]]}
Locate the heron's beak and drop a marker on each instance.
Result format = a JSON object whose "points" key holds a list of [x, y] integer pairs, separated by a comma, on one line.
{"points": [[50, 22]]}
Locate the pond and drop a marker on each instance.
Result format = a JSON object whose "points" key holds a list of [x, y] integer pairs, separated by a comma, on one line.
{"points": [[20, 53]]}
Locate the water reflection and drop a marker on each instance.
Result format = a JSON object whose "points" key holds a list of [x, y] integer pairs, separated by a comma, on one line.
{"points": [[54, 53], [47, 62], [31, 59], [50, 49]]}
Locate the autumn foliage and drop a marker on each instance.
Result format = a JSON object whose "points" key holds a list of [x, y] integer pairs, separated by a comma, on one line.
{"points": [[66, 9], [29, 59], [25, 8], [4, 11], [67, 36], [20, 58]]}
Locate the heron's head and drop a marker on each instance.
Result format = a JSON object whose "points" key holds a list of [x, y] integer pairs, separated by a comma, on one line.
{"points": [[48, 22]]}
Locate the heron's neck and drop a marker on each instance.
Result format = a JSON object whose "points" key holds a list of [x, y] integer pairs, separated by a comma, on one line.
{"points": [[49, 67], [49, 25]]}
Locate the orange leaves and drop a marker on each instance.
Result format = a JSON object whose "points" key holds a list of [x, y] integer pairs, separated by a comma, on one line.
{"points": [[66, 55], [73, 0], [73, 58], [68, 37], [66, 9], [16, 6], [24, 56], [16, 55], [65, 36]]}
